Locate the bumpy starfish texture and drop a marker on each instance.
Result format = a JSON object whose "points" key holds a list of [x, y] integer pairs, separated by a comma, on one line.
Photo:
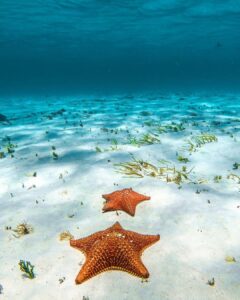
{"points": [[125, 200], [113, 249]]}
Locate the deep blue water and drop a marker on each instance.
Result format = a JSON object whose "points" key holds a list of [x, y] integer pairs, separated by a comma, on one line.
{"points": [[76, 45]]}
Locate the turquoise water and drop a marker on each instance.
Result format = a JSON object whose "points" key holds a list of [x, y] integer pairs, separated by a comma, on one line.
{"points": [[98, 96], [70, 45]]}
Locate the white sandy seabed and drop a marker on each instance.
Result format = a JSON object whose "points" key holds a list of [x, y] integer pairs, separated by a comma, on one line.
{"points": [[199, 224]]}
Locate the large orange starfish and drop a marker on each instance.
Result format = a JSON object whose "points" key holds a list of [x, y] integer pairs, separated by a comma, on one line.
{"points": [[113, 249], [125, 200]]}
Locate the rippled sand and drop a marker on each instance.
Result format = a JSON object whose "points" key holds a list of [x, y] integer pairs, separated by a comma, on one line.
{"points": [[198, 222]]}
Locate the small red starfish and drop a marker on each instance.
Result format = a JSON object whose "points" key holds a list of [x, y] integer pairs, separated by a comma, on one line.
{"points": [[125, 200]]}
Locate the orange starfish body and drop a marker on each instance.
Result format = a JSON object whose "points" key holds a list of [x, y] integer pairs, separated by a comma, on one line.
{"points": [[113, 249], [125, 200]]}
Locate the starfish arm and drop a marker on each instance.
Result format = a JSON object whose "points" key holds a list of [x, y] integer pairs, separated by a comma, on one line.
{"points": [[107, 197], [129, 208], [139, 197], [116, 226], [137, 200], [110, 206], [141, 241], [85, 244], [130, 202]]}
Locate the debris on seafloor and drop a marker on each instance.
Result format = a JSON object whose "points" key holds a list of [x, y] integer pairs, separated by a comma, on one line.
{"points": [[217, 178], [182, 159], [22, 229], [8, 147], [113, 147], [234, 177], [4, 119], [70, 216], [65, 236], [236, 166], [61, 280], [27, 268], [211, 282], [98, 149], [230, 259], [146, 139], [145, 113], [53, 114], [34, 174], [32, 187], [173, 127], [198, 141], [62, 175], [55, 155], [165, 172]]}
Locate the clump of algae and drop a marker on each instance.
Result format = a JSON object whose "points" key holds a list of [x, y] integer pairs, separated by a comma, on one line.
{"points": [[198, 141], [145, 139], [23, 229], [27, 268], [65, 236], [166, 171]]}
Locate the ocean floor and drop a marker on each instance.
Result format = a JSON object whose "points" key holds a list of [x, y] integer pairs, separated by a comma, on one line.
{"points": [[59, 155]]}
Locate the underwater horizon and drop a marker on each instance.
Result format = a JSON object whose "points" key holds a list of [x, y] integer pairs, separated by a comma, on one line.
{"points": [[119, 150]]}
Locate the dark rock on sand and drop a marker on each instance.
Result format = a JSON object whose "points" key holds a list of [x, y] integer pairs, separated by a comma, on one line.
{"points": [[3, 118]]}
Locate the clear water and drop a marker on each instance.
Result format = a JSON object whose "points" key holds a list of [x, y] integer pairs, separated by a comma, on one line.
{"points": [[99, 96], [102, 45]]}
